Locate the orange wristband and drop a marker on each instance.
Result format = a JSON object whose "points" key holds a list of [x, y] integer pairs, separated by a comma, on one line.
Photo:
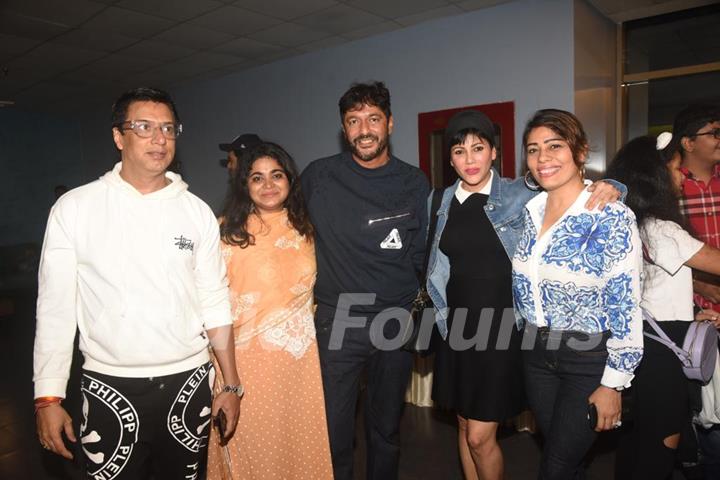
{"points": [[42, 402], [48, 399]]}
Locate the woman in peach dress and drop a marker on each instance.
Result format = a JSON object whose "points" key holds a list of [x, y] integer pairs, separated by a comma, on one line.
{"points": [[268, 250]]}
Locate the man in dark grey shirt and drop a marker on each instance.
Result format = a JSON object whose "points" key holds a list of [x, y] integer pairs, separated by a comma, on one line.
{"points": [[369, 213]]}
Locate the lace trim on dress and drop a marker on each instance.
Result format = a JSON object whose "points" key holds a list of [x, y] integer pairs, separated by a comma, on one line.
{"points": [[296, 335]]}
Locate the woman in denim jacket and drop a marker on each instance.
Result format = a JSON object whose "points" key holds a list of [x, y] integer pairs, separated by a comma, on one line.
{"points": [[478, 370]]}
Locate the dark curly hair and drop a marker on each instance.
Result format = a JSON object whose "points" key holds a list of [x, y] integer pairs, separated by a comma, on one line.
{"points": [[238, 204], [373, 93], [644, 170]]}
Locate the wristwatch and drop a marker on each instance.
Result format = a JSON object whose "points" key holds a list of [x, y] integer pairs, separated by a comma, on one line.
{"points": [[238, 389]]}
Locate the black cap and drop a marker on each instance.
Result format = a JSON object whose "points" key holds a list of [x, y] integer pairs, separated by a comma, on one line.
{"points": [[241, 142], [470, 119]]}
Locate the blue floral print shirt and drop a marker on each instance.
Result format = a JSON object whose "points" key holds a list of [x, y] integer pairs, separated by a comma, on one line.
{"points": [[583, 275]]}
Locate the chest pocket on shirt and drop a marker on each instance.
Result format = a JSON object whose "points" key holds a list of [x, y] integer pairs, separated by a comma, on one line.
{"points": [[390, 232], [516, 224]]}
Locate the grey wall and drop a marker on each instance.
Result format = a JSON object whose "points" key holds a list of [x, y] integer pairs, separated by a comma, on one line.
{"points": [[37, 152], [520, 51], [595, 84]]}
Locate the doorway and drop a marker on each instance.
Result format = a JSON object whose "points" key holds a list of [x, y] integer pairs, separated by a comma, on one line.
{"points": [[434, 158]]}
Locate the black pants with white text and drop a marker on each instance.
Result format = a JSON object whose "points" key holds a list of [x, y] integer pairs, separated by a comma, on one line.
{"points": [[135, 428]]}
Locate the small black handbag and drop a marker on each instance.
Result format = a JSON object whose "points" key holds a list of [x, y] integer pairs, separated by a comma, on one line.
{"points": [[419, 328]]}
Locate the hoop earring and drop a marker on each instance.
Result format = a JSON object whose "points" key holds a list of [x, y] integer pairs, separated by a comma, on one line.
{"points": [[582, 173], [531, 183]]}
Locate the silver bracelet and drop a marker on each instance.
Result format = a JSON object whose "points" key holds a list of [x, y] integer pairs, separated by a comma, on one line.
{"points": [[238, 389]]}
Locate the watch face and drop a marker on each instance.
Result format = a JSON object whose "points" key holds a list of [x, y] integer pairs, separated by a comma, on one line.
{"points": [[238, 390]]}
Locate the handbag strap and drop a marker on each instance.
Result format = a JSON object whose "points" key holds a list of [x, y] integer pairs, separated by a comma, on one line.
{"points": [[662, 337], [434, 207]]}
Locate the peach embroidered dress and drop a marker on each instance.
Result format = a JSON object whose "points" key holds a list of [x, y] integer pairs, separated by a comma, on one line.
{"points": [[282, 431]]}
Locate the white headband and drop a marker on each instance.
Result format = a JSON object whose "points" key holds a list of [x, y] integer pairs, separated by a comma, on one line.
{"points": [[663, 140]]}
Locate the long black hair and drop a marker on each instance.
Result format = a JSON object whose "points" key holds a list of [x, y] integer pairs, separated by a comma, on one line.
{"points": [[644, 171], [238, 204]]}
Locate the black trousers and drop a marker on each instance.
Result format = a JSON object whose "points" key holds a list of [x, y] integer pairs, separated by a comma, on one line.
{"points": [[661, 408], [138, 428], [559, 378], [388, 373]]}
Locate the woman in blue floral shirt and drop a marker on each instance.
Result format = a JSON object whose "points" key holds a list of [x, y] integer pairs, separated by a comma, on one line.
{"points": [[576, 287]]}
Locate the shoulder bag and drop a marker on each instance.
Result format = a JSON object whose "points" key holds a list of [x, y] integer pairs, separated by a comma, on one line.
{"points": [[417, 339], [699, 349]]}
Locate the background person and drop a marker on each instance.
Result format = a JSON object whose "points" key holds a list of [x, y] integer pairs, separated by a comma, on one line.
{"points": [[696, 135], [239, 146], [661, 406]]}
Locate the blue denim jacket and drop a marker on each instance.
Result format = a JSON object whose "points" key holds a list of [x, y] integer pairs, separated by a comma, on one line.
{"points": [[505, 209]]}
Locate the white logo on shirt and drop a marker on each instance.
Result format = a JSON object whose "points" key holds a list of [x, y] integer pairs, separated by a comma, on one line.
{"points": [[392, 241]]}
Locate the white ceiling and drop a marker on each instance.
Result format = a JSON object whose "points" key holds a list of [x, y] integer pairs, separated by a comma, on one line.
{"points": [[59, 54]]}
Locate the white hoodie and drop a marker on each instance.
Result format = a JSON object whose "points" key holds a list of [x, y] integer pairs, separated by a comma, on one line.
{"points": [[141, 276]]}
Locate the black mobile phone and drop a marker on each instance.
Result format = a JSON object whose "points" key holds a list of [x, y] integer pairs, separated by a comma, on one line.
{"points": [[592, 416], [220, 422]]}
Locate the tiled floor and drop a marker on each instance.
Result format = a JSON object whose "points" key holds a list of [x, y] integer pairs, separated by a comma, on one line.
{"points": [[428, 436], [429, 450]]}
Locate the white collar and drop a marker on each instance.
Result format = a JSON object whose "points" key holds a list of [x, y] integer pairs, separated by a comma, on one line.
{"points": [[461, 194], [536, 205]]}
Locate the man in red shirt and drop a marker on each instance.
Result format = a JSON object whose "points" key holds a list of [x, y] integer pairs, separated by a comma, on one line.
{"points": [[696, 131]]}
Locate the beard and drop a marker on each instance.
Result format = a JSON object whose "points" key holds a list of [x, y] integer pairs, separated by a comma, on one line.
{"points": [[366, 156]]}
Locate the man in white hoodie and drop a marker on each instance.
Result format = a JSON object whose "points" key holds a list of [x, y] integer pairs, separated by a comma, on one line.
{"points": [[132, 260]]}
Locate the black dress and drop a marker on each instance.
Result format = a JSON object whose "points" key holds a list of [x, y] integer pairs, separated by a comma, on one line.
{"points": [[485, 384]]}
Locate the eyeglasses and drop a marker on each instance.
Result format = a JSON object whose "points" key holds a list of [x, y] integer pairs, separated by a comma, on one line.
{"points": [[715, 132], [146, 128]]}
